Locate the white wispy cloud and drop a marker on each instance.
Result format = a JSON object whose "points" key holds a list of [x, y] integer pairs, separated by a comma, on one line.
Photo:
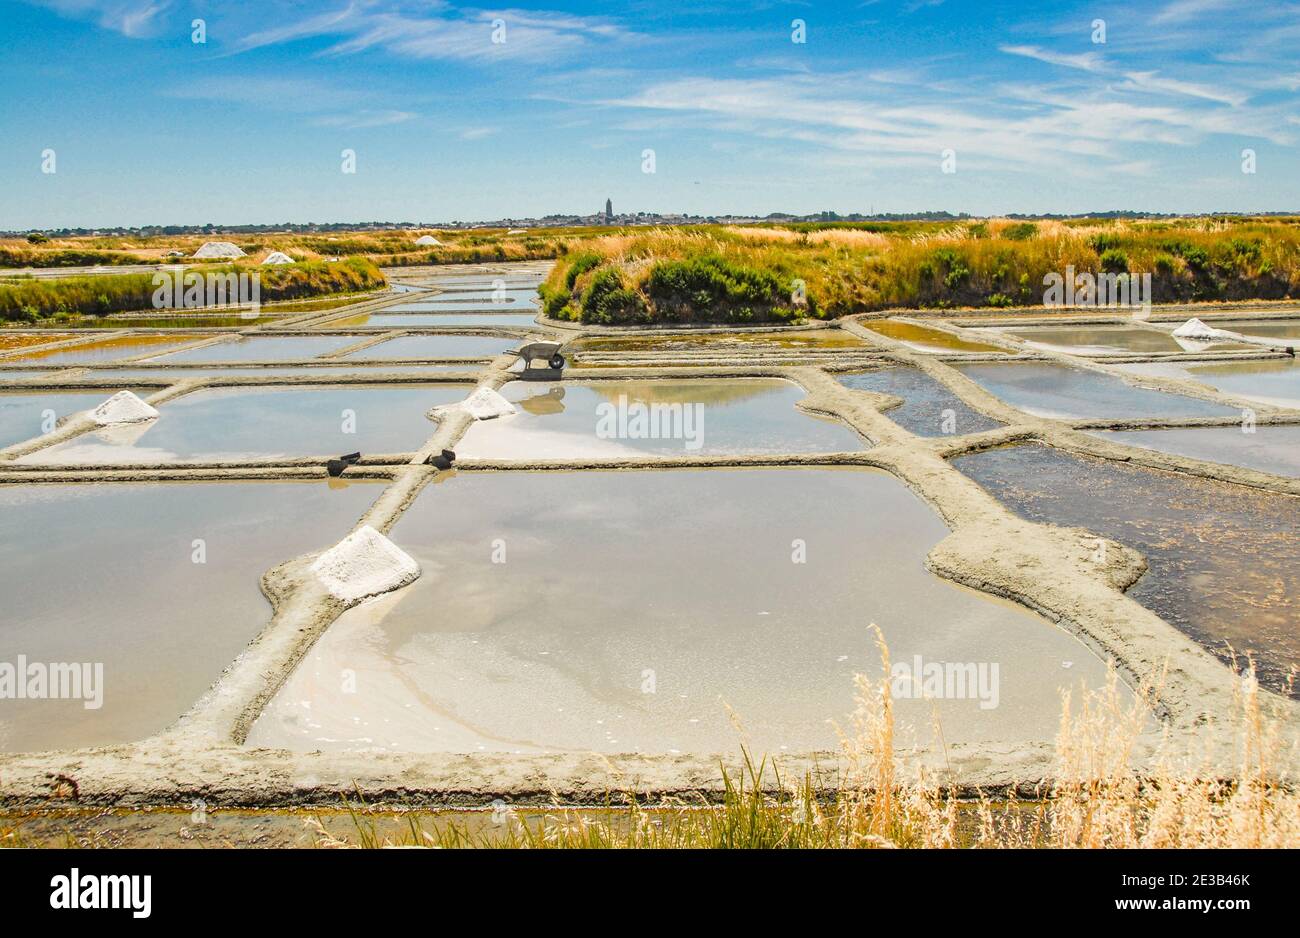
{"points": [[1086, 61], [1181, 10], [1151, 81], [438, 31], [135, 19]]}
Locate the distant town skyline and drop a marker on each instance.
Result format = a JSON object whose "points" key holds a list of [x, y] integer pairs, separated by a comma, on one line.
{"points": [[136, 112]]}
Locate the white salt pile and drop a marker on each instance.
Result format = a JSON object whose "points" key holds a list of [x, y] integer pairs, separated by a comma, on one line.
{"points": [[122, 407], [483, 404], [1195, 329], [278, 257], [219, 249], [427, 239], [365, 563]]}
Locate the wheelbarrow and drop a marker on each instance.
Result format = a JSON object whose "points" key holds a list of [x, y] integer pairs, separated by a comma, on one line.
{"points": [[546, 351]]}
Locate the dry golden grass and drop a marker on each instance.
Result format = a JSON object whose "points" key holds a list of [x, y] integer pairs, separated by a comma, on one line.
{"points": [[849, 238], [763, 234]]}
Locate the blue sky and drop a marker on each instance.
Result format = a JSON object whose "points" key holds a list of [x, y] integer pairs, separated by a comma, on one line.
{"points": [[149, 127]]}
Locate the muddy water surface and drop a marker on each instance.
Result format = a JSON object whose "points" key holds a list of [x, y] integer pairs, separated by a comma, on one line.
{"points": [[927, 339], [1224, 559], [928, 408]]}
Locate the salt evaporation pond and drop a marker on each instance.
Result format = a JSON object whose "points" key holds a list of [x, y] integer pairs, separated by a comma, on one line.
{"points": [[928, 408], [237, 424], [1223, 558], [105, 350], [1111, 340], [614, 419], [633, 609], [1269, 381], [1274, 449], [262, 348], [437, 346], [158, 582], [925, 338], [720, 341], [25, 414], [1266, 328], [271, 371], [430, 320], [1047, 389]]}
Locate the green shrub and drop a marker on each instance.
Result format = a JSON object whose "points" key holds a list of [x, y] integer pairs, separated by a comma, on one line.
{"points": [[709, 285], [608, 302], [1101, 243], [1114, 261], [581, 263]]}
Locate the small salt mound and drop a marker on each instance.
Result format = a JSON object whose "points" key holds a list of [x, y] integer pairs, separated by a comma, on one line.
{"points": [[278, 257], [1195, 329], [427, 239], [219, 249], [483, 404], [122, 407], [365, 563]]}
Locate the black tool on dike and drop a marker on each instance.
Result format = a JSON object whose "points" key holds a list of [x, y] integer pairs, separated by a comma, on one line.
{"points": [[442, 460], [335, 467]]}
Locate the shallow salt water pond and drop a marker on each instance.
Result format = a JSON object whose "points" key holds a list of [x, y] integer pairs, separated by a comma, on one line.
{"points": [[927, 339], [470, 299], [612, 419], [105, 350], [1273, 449], [17, 340], [235, 424], [23, 414], [1052, 390], [928, 408], [1110, 340], [262, 349], [1224, 559], [437, 346], [632, 609], [426, 320], [1269, 329], [1272, 381], [720, 342], [254, 371], [106, 573]]}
